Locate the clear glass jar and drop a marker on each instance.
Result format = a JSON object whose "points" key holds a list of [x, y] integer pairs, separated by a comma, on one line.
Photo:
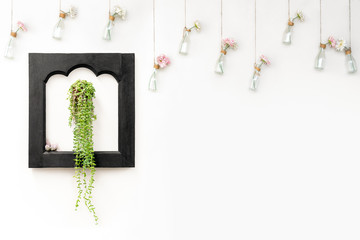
{"points": [[152, 82], [108, 28], [59, 27], [320, 58], [288, 33], [219, 68], [9, 51], [254, 83], [184, 45], [350, 62]]}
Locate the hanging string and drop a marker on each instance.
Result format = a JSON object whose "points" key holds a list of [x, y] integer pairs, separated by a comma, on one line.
{"points": [[185, 13], [289, 9], [154, 29], [221, 20], [60, 5], [255, 32], [109, 7], [350, 23], [12, 15], [320, 21]]}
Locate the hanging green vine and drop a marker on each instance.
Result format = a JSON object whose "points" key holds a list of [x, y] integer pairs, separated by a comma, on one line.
{"points": [[80, 96]]}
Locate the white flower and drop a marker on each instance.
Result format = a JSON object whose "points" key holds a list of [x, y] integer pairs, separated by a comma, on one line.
{"points": [[53, 147], [123, 15], [300, 15], [340, 45], [47, 147], [120, 12], [73, 12]]}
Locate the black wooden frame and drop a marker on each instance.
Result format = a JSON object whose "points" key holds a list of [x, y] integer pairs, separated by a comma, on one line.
{"points": [[44, 65]]}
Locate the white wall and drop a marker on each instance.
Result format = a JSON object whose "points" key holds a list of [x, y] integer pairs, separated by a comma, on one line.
{"points": [[213, 160], [106, 110]]}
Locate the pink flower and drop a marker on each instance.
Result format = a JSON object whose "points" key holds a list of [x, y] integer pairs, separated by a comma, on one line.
{"points": [[264, 60], [21, 26], [229, 43], [332, 41], [163, 60]]}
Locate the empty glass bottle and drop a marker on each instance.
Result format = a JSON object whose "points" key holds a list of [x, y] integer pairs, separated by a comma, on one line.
{"points": [[152, 81], [288, 33], [184, 42], [350, 61], [9, 51], [219, 68], [108, 28], [59, 27], [320, 58]]}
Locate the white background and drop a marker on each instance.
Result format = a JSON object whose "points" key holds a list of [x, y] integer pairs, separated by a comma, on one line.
{"points": [[213, 160], [106, 110]]}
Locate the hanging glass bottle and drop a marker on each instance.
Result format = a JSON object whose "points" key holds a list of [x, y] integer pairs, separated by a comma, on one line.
{"points": [[59, 27], [108, 28], [161, 62], [226, 43], [288, 33], [117, 13], [184, 42], [152, 81], [254, 83], [350, 61], [9, 51], [219, 68], [320, 58]]}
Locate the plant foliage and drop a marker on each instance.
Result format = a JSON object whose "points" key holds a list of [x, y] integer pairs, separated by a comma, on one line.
{"points": [[80, 96]]}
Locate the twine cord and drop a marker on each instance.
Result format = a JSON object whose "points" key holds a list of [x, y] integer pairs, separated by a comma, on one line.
{"points": [[12, 15], [221, 20], [349, 23], [289, 9], [255, 50], [320, 21], [185, 13], [154, 29]]}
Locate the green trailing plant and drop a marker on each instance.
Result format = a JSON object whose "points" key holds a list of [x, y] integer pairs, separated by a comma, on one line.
{"points": [[80, 96]]}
